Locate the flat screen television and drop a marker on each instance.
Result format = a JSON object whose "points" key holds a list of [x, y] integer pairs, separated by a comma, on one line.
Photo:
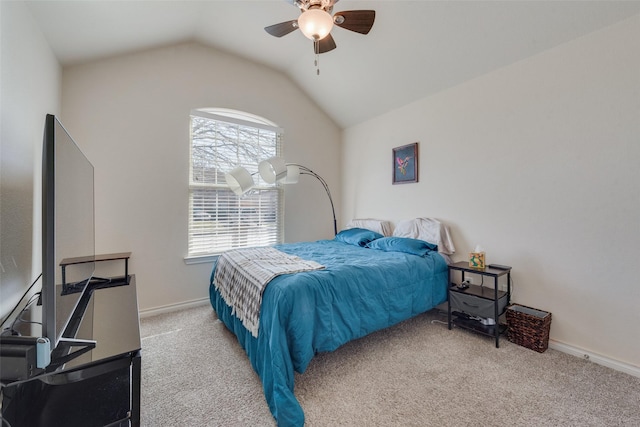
{"points": [[67, 227]]}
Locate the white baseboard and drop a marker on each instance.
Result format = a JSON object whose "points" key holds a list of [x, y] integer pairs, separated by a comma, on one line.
{"points": [[595, 358], [173, 307]]}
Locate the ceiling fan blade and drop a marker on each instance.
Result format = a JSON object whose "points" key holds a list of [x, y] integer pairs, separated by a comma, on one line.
{"points": [[282, 29], [359, 21], [326, 44]]}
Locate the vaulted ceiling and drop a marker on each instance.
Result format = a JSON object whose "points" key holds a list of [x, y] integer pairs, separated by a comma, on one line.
{"points": [[415, 49]]}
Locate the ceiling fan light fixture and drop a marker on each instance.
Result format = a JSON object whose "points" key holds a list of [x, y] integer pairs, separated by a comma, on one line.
{"points": [[315, 24]]}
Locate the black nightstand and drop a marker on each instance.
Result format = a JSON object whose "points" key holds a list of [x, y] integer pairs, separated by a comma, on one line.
{"points": [[478, 301]]}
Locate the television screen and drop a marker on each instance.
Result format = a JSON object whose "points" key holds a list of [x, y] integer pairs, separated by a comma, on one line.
{"points": [[67, 227]]}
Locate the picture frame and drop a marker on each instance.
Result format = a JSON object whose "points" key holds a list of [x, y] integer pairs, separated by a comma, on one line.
{"points": [[405, 164]]}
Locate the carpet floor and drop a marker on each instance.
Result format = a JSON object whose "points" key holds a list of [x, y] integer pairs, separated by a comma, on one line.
{"points": [[417, 373]]}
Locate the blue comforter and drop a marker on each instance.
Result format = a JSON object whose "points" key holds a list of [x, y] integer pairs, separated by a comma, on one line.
{"points": [[360, 291]]}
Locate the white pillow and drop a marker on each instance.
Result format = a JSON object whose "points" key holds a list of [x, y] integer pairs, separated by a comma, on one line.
{"points": [[378, 225], [428, 229]]}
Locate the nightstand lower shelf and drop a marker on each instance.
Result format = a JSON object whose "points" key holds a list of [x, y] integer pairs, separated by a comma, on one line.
{"points": [[476, 326]]}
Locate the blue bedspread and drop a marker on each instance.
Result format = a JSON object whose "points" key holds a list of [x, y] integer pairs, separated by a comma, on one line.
{"points": [[360, 291]]}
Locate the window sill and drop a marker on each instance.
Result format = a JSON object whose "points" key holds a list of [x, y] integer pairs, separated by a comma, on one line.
{"points": [[200, 259]]}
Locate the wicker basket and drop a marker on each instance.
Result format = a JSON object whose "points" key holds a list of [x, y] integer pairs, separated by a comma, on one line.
{"points": [[528, 327]]}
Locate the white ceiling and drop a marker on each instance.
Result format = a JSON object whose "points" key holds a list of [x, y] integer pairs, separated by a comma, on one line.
{"points": [[415, 49]]}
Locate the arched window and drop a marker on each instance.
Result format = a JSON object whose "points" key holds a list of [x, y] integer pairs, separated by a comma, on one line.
{"points": [[220, 141]]}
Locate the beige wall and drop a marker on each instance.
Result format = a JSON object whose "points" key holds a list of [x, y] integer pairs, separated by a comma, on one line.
{"points": [[30, 88], [130, 115], [538, 163]]}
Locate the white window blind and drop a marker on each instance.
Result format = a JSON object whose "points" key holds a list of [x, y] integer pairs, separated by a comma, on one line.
{"points": [[218, 219]]}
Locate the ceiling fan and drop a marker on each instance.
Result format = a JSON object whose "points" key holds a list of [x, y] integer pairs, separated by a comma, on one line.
{"points": [[316, 22]]}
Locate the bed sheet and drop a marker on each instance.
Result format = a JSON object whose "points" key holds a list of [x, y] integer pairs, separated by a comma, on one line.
{"points": [[360, 291]]}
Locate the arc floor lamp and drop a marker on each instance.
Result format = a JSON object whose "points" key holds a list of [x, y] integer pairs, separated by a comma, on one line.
{"points": [[274, 170]]}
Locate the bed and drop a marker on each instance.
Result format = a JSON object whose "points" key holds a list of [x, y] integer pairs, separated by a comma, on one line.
{"points": [[362, 287]]}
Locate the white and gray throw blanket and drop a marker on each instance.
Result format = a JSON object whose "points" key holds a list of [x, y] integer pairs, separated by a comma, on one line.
{"points": [[242, 274]]}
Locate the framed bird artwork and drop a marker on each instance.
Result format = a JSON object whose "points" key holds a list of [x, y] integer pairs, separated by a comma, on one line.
{"points": [[405, 164]]}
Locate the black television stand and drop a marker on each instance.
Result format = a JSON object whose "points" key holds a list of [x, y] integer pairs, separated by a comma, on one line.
{"points": [[98, 388]]}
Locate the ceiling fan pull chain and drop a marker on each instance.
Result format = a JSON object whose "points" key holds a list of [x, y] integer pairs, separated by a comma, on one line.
{"points": [[316, 47]]}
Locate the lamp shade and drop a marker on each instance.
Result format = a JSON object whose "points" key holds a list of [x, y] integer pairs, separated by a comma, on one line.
{"points": [[273, 169], [315, 24], [293, 173], [239, 180]]}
